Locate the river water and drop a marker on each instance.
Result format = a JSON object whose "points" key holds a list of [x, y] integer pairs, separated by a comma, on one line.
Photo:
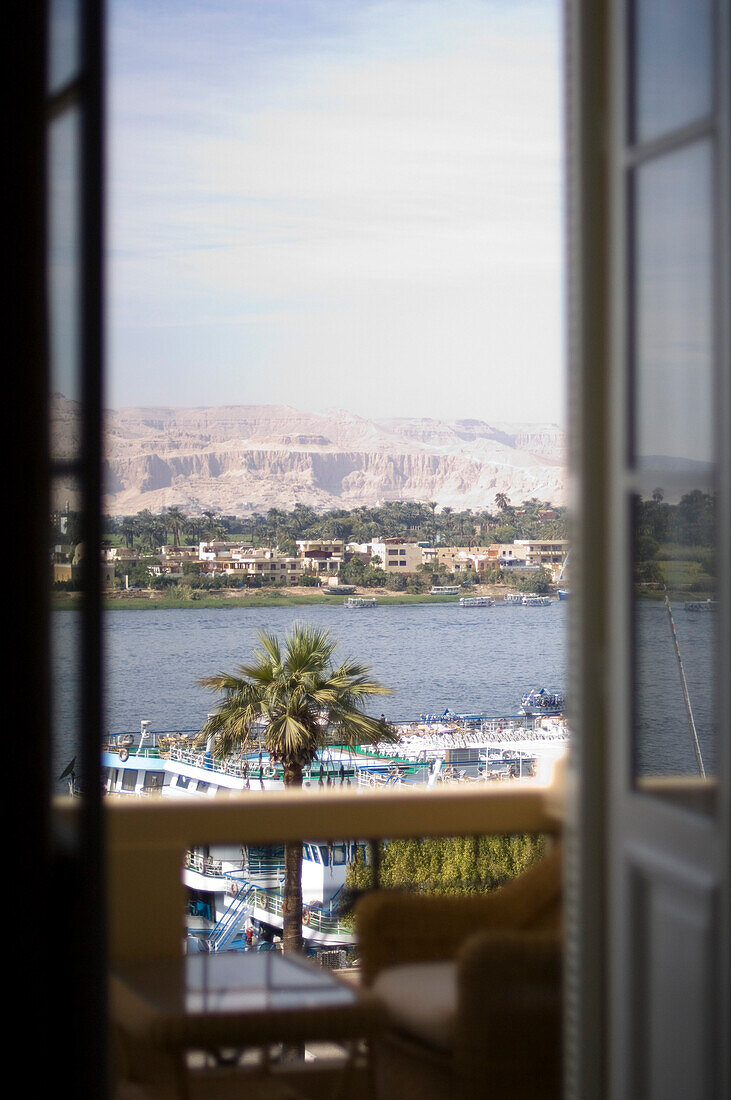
{"points": [[432, 657]]}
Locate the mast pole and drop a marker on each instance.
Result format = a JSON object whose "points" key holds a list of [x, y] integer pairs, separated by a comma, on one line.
{"points": [[686, 696]]}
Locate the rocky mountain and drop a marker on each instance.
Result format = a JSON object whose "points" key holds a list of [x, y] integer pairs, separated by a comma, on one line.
{"points": [[241, 459]]}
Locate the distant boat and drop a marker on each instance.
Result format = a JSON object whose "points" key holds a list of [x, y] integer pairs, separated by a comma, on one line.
{"points": [[563, 593], [542, 703], [360, 601], [513, 597], [476, 601], [536, 601], [444, 590], [700, 605]]}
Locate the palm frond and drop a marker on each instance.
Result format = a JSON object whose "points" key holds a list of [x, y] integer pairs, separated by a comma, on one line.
{"points": [[297, 695]]}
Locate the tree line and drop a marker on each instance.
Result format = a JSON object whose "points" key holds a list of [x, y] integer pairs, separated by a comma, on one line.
{"points": [[413, 520]]}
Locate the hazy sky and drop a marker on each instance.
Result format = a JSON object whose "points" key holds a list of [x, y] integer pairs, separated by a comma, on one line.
{"points": [[337, 203]]}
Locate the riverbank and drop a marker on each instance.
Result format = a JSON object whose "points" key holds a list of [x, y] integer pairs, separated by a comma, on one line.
{"points": [[153, 599]]}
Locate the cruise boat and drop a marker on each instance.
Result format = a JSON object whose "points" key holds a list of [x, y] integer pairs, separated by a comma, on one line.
{"points": [[444, 590], [361, 601], [513, 597], [540, 702], [476, 601], [536, 601], [700, 605], [229, 888]]}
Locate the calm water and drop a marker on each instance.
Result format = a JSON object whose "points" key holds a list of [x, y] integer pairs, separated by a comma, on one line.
{"points": [[431, 656]]}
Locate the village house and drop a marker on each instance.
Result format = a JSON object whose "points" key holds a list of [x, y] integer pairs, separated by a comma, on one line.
{"points": [[397, 555], [321, 555], [549, 553]]}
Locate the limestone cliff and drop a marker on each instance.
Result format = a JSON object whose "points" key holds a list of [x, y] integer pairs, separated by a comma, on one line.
{"points": [[241, 459]]}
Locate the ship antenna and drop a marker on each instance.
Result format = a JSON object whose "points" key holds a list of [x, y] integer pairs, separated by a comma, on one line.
{"points": [[686, 696]]}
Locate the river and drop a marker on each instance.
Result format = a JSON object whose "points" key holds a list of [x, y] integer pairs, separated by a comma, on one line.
{"points": [[432, 657]]}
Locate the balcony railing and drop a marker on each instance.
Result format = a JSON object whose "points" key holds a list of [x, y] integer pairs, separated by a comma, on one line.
{"points": [[147, 839]]}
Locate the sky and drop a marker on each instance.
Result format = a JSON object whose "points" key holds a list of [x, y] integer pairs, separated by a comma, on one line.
{"points": [[337, 204]]}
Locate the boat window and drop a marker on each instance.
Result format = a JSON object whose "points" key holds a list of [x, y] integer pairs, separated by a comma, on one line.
{"points": [[201, 786], [182, 781], [153, 781], [129, 780], [338, 855]]}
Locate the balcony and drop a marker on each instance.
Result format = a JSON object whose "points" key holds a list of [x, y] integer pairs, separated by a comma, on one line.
{"points": [[148, 842]]}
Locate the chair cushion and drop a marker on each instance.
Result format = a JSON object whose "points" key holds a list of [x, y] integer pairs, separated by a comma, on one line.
{"points": [[421, 999]]}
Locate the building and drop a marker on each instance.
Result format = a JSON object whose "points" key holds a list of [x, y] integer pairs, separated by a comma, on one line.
{"points": [[397, 555], [321, 556], [249, 561], [64, 571], [460, 559], [508, 555], [547, 553]]}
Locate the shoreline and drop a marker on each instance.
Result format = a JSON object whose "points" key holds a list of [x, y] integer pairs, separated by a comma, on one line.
{"points": [[152, 600]]}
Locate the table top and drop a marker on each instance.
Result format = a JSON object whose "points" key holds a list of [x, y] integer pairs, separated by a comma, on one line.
{"points": [[267, 995], [239, 982]]}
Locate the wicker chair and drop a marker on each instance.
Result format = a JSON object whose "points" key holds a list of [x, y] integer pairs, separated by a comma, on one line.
{"points": [[471, 987]]}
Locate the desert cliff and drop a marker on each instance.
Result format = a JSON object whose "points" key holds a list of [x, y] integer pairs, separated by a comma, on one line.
{"points": [[241, 459]]}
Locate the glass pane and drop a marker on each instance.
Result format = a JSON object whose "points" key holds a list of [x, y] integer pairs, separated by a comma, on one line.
{"points": [[64, 283], [673, 64], [64, 53], [674, 302], [66, 556], [676, 612]]}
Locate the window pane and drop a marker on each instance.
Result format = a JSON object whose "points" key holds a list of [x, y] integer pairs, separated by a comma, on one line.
{"points": [[675, 699], [674, 303], [673, 64], [64, 283]]}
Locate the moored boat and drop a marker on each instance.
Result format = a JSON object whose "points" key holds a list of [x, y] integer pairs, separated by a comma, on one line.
{"points": [[536, 601], [360, 601], [476, 601], [540, 702], [444, 590]]}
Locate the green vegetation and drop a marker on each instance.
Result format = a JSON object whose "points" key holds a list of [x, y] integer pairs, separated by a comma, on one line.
{"points": [[404, 519], [448, 865], [537, 582]]}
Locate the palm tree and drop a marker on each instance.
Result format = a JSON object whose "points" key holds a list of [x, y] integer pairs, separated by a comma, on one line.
{"points": [[502, 501], [175, 520], [304, 702]]}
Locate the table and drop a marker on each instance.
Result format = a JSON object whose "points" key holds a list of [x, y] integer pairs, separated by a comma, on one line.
{"points": [[164, 1008]]}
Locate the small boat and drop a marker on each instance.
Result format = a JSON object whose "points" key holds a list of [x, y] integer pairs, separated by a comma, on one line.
{"points": [[563, 593], [536, 601], [540, 703], [700, 605], [444, 590], [476, 601], [360, 601], [513, 597]]}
